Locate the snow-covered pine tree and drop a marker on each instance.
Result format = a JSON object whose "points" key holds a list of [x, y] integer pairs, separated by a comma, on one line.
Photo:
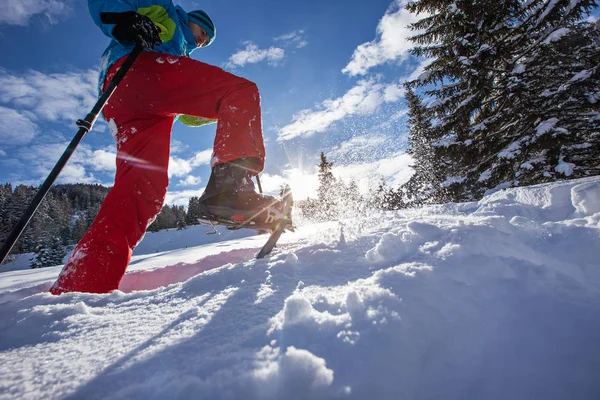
{"points": [[193, 212], [353, 200], [154, 226], [49, 253], [14, 207], [458, 36], [548, 126], [424, 184], [386, 198], [79, 229], [327, 193], [480, 52]]}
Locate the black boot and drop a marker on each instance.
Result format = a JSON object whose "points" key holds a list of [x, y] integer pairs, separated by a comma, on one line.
{"points": [[230, 195]]}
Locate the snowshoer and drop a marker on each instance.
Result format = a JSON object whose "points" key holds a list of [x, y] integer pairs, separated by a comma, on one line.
{"points": [[162, 85]]}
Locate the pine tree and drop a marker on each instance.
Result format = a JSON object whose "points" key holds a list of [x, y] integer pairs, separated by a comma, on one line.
{"points": [[167, 218], [154, 226], [193, 212], [557, 137], [15, 207], [495, 72], [380, 198], [352, 200], [424, 184], [79, 229], [48, 253], [66, 212], [327, 189]]}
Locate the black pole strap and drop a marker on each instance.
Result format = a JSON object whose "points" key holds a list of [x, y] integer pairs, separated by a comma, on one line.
{"points": [[85, 125]]}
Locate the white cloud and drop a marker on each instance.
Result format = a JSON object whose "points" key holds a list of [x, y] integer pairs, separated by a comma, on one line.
{"points": [[76, 173], [391, 44], [201, 158], [178, 146], [189, 181], [182, 197], [359, 147], [18, 12], [2, 153], [102, 160], [52, 97], [395, 169], [362, 99], [181, 167], [252, 55], [16, 128], [41, 158], [295, 38]]}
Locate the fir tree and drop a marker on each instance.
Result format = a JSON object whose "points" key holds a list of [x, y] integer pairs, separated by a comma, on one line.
{"points": [[79, 229], [498, 77], [381, 198], [327, 189], [65, 213], [48, 253], [154, 226], [193, 212], [424, 184]]}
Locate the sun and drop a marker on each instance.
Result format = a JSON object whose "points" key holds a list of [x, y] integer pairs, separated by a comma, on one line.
{"points": [[303, 184]]}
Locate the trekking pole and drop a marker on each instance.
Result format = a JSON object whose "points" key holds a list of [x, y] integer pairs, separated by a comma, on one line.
{"points": [[259, 185], [85, 125]]}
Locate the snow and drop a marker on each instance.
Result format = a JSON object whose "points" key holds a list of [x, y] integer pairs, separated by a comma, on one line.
{"points": [[511, 151], [494, 299], [546, 126], [424, 76], [519, 69], [582, 75], [114, 129], [564, 167], [548, 9], [557, 35], [452, 180], [487, 174]]}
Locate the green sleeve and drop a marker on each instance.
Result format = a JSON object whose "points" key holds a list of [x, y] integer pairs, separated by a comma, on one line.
{"points": [[192, 121]]}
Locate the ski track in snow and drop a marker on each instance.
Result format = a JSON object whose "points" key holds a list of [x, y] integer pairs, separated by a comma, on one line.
{"points": [[494, 299]]}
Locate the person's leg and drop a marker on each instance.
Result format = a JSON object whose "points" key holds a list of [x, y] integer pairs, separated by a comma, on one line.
{"points": [[181, 85], [99, 261], [141, 110]]}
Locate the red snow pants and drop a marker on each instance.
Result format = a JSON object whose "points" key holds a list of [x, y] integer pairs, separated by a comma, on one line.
{"points": [[141, 113]]}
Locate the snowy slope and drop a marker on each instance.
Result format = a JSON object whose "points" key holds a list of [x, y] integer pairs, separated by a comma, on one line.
{"points": [[498, 299]]}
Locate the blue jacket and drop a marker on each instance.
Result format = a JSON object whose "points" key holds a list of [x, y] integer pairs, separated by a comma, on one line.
{"points": [[172, 20]]}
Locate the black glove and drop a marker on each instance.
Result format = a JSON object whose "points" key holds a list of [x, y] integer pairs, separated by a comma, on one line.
{"points": [[133, 27]]}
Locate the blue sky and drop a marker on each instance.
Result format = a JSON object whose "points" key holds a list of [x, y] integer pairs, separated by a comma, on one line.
{"points": [[329, 72]]}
